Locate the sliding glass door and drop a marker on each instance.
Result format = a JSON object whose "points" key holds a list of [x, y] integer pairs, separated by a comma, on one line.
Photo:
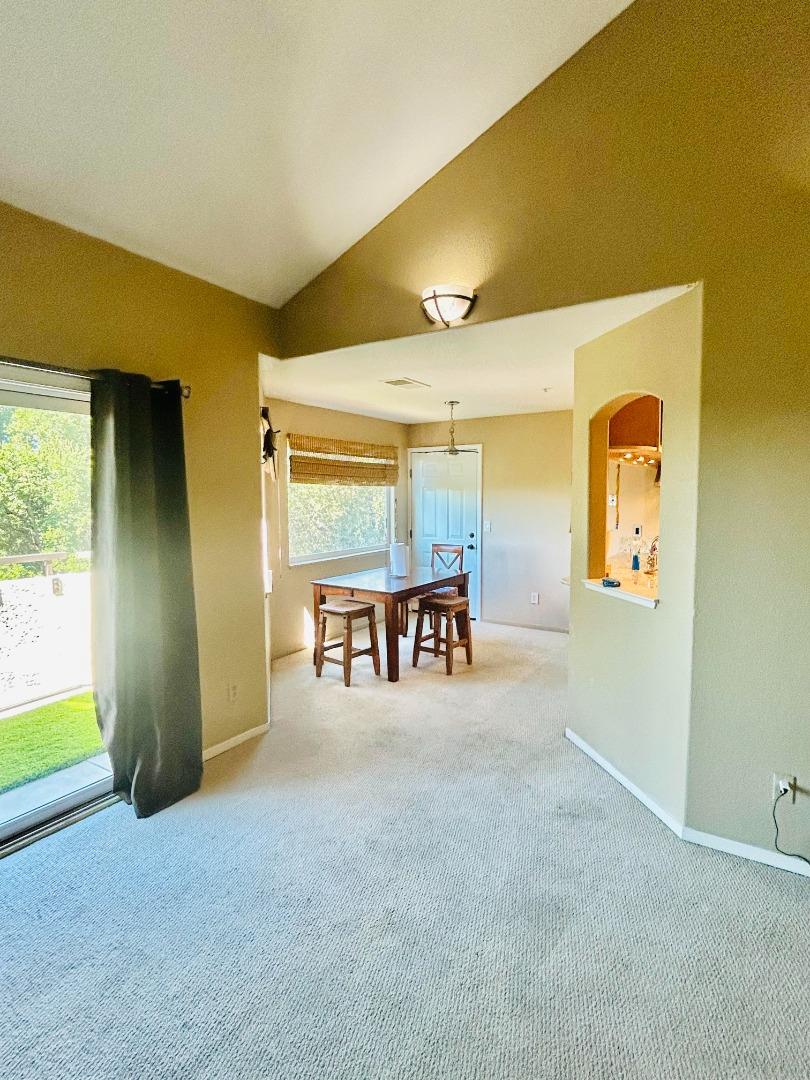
{"points": [[51, 756]]}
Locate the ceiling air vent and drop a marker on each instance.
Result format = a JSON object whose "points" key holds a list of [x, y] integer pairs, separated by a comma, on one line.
{"points": [[407, 384]]}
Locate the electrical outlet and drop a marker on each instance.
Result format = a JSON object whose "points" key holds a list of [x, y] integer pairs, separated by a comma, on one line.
{"points": [[233, 693], [778, 782], [534, 598]]}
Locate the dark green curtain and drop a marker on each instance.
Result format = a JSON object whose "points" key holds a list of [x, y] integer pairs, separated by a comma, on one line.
{"points": [[147, 680]]}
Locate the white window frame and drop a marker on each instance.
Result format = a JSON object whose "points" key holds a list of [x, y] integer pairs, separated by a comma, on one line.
{"points": [[22, 387], [333, 556]]}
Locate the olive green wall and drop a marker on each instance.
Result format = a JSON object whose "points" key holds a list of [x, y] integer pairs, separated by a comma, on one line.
{"points": [[751, 686], [291, 600], [630, 672], [672, 148], [71, 300], [526, 496]]}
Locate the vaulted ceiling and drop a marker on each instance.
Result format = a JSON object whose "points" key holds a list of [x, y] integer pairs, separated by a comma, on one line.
{"points": [[251, 142]]}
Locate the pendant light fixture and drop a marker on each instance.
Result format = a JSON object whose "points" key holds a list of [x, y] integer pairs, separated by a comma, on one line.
{"points": [[447, 304], [452, 449]]}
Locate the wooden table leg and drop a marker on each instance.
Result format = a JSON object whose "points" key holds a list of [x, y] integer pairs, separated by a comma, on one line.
{"points": [[392, 638], [316, 614]]}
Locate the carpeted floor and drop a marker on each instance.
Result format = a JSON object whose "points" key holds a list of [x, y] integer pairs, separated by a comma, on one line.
{"points": [[421, 880]]}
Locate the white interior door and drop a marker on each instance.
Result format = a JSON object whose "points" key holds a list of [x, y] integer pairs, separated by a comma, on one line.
{"points": [[445, 509]]}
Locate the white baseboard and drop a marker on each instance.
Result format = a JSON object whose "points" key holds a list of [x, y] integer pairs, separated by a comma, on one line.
{"points": [[746, 851], [667, 818], [229, 744], [527, 626], [684, 832]]}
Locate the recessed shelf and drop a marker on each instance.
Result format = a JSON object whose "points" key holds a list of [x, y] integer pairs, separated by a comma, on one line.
{"points": [[622, 593]]}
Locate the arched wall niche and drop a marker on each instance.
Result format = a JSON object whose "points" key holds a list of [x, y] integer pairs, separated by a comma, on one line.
{"points": [[625, 441]]}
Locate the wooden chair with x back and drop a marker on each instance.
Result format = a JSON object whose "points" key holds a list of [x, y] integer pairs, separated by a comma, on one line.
{"points": [[442, 557], [447, 557]]}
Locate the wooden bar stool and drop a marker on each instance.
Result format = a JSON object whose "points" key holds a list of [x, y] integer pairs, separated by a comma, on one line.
{"points": [[456, 612], [348, 610], [445, 557]]}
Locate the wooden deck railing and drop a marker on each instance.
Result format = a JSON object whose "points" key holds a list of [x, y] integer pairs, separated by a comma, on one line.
{"points": [[46, 557]]}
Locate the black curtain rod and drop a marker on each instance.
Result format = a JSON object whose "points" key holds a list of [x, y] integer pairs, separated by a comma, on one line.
{"points": [[31, 365]]}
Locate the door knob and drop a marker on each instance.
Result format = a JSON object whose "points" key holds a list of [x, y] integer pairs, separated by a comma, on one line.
{"points": [[470, 547]]}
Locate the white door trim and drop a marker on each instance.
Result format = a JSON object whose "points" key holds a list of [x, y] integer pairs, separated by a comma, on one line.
{"points": [[479, 509]]}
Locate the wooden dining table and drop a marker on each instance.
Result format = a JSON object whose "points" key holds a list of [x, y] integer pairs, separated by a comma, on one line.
{"points": [[382, 587]]}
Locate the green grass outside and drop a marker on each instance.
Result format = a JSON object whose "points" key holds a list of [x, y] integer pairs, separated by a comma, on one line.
{"points": [[44, 740]]}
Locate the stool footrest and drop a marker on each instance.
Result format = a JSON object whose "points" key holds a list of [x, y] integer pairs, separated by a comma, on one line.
{"points": [[355, 652]]}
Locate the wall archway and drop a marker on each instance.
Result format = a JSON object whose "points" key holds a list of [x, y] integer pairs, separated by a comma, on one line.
{"points": [[625, 431]]}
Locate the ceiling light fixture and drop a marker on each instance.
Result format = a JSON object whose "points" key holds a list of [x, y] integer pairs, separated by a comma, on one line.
{"points": [[447, 304], [452, 449]]}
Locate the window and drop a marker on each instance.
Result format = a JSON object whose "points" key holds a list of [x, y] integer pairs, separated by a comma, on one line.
{"points": [[328, 520], [339, 497]]}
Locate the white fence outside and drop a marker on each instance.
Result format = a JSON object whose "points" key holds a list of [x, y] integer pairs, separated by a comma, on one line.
{"points": [[44, 637]]}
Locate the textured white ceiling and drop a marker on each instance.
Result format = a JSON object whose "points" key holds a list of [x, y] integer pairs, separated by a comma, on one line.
{"points": [[250, 142], [519, 365]]}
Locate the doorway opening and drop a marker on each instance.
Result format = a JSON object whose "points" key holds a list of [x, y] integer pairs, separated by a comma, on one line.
{"points": [[514, 379], [51, 754]]}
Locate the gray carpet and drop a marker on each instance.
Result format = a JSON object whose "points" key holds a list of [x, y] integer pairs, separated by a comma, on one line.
{"points": [[422, 880]]}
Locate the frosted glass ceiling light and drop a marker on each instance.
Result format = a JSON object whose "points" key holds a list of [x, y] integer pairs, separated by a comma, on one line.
{"points": [[447, 304]]}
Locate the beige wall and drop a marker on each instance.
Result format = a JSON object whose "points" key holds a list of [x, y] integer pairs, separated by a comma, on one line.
{"points": [[527, 498], [70, 300], [630, 666], [670, 149], [291, 600]]}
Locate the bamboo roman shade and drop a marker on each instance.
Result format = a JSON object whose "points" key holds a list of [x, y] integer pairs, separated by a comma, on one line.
{"points": [[316, 460]]}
